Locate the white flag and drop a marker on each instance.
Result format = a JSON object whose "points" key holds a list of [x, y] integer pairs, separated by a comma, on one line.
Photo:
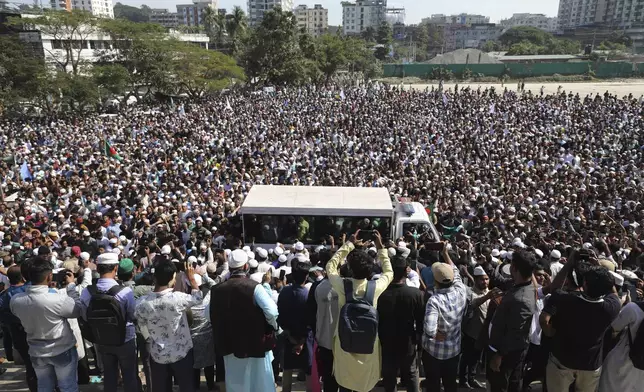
{"points": [[228, 107]]}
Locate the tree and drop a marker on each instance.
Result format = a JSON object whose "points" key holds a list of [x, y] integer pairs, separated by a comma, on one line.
{"points": [[369, 34], [70, 32], [215, 25], [144, 49], [533, 35], [198, 71], [112, 80], [384, 39], [78, 92], [272, 53], [491, 46], [20, 73], [236, 26], [133, 14], [360, 58], [331, 55], [421, 37]]}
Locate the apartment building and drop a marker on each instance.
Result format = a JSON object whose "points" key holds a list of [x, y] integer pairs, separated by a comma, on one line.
{"points": [[362, 14], [314, 21], [257, 8]]}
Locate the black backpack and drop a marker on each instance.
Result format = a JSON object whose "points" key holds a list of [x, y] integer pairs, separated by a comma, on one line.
{"points": [[105, 320], [358, 322], [636, 352]]}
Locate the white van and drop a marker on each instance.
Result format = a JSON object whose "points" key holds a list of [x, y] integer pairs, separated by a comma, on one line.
{"points": [[287, 214]]}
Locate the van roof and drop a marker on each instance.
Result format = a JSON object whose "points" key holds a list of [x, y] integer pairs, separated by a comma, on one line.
{"points": [[317, 201]]}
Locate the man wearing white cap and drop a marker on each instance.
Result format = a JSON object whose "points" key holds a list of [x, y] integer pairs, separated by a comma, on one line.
{"points": [[555, 263], [478, 298], [51, 339], [242, 315], [115, 355]]}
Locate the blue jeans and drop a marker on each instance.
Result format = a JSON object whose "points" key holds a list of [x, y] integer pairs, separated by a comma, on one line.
{"points": [[61, 369]]}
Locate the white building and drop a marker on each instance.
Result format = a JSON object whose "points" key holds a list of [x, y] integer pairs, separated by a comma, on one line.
{"points": [[540, 21], [314, 21], [460, 19], [573, 13], [625, 13], [256, 9], [100, 8], [192, 14], [164, 17], [91, 45], [458, 36], [358, 16]]}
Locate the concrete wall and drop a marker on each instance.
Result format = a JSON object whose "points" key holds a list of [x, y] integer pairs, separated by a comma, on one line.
{"points": [[601, 69]]}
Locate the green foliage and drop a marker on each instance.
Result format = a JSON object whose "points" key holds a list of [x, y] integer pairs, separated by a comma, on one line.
{"points": [[272, 52], [441, 73], [331, 54], [609, 45], [466, 74], [133, 14], [199, 71], [533, 35], [369, 34], [20, 72], [68, 29], [384, 34], [111, 79], [236, 26], [533, 41], [491, 46]]}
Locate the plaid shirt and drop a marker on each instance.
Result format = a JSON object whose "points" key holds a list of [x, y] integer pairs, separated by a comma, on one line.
{"points": [[444, 313]]}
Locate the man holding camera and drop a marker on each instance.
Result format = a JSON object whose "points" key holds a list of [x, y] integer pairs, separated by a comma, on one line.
{"points": [[577, 321], [44, 315]]}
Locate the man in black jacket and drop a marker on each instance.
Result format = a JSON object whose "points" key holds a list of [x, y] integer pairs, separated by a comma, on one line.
{"points": [[401, 310], [510, 327]]}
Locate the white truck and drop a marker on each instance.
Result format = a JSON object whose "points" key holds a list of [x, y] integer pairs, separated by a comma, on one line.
{"points": [[311, 214]]}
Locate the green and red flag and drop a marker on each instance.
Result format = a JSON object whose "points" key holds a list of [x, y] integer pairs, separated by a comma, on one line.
{"points": [[111, 152]]}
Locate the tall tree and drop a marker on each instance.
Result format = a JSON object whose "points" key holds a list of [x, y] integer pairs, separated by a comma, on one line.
{"points": [[236, 26], [133, 14], [69, 31], [199, 71], [272, 54], [20, 73], [331, 55], [144, 49], [215, 25], [384, 39], [369, 34]]}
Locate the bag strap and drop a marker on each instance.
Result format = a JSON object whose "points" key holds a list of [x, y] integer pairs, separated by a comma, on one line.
{"points": [[370, 293], [348, 290], [92, 290], [115, 290]]}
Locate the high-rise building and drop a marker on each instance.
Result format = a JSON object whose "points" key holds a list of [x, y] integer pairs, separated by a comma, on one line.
{"points": [[164, 17], [192, 14], [101, 8], [362, 14], [61, 4], [573, 13], [257, 8], [314, 21], [460, 19], [624, 13], [540, 21]]}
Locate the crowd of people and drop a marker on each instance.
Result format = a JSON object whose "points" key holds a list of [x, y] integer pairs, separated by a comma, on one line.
{"points": [[123, 246]]}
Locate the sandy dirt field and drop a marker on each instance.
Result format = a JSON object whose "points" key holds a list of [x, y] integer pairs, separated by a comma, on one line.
{"points": [[621, 88]]}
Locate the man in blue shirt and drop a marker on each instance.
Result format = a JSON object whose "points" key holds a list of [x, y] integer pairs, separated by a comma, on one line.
{"points": [[18, 336], [115, 356]]}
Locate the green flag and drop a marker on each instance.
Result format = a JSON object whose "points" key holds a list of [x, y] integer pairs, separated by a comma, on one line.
{"points": [[111, 151]]}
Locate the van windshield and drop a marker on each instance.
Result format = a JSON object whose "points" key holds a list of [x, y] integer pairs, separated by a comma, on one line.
{"points": [[418, 229], [288, 229]]}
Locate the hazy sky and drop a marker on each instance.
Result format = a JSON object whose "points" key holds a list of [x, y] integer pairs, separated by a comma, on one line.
{"points": [[415, 9]]}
